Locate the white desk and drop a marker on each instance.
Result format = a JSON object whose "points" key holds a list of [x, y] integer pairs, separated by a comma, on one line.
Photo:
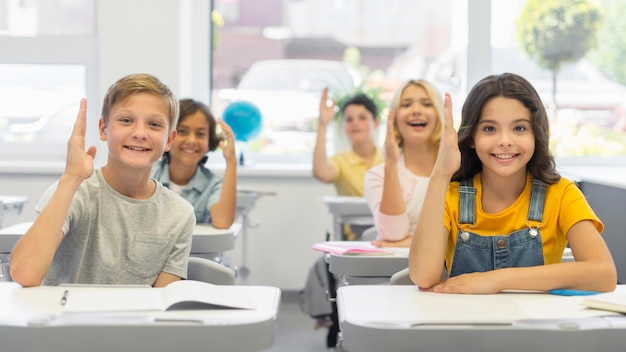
{"points": [[246, 201], [210, 243], [348, 210], [346, 266], [31, 320], [11, 205], [207, 242], [401, 318]]}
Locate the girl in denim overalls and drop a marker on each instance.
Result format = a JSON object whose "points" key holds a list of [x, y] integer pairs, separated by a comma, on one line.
{"points": [[507, 215]]}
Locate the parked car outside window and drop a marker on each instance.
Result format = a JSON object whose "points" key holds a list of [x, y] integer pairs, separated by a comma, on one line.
{"points": [[287, 92]]}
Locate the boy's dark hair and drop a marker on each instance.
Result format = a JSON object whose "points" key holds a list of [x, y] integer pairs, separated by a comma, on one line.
{"points": [[508, 85], [364, 100], [189, 107]]}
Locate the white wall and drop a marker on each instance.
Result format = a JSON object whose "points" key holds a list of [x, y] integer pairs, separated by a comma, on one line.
{"points": [[289, 223]]}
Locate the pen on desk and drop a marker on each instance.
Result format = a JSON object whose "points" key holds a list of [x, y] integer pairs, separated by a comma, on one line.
{"points": [[64, 298]]}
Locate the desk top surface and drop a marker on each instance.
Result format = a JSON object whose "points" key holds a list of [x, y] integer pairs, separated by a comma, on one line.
{"points": [[347, 206], [25, 306], [369, 265], [374, 315], [13, 199], [32, 318]]}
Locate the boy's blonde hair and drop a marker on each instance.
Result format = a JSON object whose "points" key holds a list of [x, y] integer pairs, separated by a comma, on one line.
{"points": [[140, 83], [434, 95]]}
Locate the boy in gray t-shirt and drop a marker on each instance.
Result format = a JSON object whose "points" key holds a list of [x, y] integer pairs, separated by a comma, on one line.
{"points": [[114, 225]]}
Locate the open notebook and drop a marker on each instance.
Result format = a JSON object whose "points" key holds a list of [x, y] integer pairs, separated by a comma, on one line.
{"points": [[351, 248], [179, 295]]}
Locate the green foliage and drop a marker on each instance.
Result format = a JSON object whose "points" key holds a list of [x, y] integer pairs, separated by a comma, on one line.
{"points": [[610, 53], [587, 140], [217, 21], [372, 93], [552, 32]]}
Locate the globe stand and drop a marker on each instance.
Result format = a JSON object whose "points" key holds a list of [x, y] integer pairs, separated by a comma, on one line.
{"points": [[242, 161]]}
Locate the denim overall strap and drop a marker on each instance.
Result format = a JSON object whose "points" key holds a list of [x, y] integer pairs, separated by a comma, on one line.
{"points": [[467, 201], [521, 248], [537, 200]]}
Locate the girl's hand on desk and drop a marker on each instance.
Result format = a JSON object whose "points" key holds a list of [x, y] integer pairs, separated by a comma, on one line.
{"points": [[473, 283], [405, 242]]}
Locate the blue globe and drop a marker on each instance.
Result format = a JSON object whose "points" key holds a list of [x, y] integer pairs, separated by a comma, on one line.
{"points": [[245, 120]]}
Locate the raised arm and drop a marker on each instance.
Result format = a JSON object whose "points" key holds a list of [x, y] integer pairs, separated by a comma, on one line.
{"points": [[323, 169], [34, 252], [389, 209], [223, 212], [429, 244], [391, 229]]}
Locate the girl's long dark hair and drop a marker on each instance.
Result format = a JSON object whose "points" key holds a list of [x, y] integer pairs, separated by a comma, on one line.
{"points": [[513, 86]]}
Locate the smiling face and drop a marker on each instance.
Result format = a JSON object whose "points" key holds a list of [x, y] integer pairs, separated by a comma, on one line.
{"points": [[503, 137], [136, 131], [416, 116], [359, 124], [192, 140]]}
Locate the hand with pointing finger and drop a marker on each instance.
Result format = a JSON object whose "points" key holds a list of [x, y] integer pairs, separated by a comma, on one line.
{"points": [[79, 163]]}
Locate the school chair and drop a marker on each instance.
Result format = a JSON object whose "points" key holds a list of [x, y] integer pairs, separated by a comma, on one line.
{"points": [[402, 277], [206, 270], [369, 234]]}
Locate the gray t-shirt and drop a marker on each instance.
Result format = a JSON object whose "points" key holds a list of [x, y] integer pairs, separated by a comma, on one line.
{"points": [[113, 239]]}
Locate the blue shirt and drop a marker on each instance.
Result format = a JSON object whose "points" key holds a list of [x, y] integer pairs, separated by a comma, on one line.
{"points": [[202, 191]]}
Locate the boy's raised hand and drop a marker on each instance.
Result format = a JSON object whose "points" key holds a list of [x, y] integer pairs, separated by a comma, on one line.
{"points": [[228, 143], [449, 157], [326, 112], [79, 163], [392, 151]]}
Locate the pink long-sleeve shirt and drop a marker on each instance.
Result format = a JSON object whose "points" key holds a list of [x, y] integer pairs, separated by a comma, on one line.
{"points": [[395, 227]]}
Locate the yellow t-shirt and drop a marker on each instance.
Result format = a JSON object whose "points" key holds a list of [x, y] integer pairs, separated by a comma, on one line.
{"points": [[565, 205], [351, 169]]}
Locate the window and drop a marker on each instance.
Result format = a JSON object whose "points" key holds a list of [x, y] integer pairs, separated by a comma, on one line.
{"points": [[387, 43], [346, 44], [46, 66], [296, 48], [39, 102]]}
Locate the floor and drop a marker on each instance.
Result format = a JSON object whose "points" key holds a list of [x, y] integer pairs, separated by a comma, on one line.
{"points": [[294, 330]]}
